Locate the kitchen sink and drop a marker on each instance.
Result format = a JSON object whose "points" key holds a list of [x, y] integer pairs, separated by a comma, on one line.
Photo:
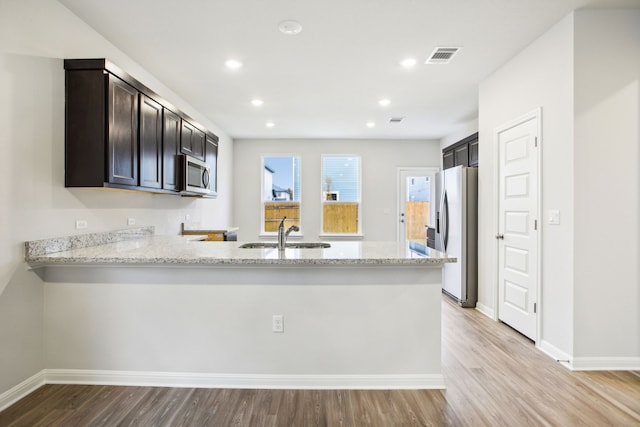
{"points": [[292, 245]]}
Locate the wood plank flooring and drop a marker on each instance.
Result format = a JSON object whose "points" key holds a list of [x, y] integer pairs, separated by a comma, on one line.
{"points": [[494, 376]]}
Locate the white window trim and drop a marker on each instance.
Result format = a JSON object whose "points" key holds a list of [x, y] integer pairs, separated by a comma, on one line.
{"points": [[269, 234], [358, 234]]}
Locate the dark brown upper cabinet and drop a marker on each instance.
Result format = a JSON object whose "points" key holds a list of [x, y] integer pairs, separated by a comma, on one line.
{"points": [[473, 153], [193, 140], [171, 130], [211, 156], [462, 153], [101, 132], [121, 134], [150, 143], [447, 159]]}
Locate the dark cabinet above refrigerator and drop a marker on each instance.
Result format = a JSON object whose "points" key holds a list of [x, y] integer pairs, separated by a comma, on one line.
{"points": [[462, 153]]}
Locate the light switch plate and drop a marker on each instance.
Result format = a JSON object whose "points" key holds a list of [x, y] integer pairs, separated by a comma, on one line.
{"points": [[554, 217]]}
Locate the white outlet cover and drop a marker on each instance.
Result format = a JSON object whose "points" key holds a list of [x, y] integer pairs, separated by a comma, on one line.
{"points": [[554, 217], [277, 323], [131, 221]]}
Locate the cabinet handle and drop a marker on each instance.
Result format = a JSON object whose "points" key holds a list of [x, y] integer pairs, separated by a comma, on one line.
{"points": [[500, 236]]}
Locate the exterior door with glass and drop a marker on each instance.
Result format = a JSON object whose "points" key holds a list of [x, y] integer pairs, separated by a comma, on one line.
{"points": [[415, 189]]}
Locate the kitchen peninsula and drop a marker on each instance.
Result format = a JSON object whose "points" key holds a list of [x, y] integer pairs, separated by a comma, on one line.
{"points": [[131, 307]]}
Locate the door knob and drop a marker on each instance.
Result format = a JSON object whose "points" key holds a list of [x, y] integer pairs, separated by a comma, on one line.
{"points": [[500, 236]]}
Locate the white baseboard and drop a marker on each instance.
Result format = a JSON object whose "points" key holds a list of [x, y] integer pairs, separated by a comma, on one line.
{"points": [[555, 353], [606, 364], [171, 379], [487, 311], [16, 393], [590, 363]]}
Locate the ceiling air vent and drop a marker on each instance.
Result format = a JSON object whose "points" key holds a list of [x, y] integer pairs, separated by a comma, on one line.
{"points": [[395, 119], [442, 55]]}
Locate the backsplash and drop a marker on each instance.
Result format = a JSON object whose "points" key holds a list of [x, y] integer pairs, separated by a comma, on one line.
{"points": [[59, 244]]}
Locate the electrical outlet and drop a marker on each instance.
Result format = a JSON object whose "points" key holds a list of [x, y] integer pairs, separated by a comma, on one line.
{"points": [[131, 221], [277, 323], [81, 224]]}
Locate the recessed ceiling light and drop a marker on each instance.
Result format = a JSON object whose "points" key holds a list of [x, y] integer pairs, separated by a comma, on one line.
{"points": [[270, 124], [233, 64], [384, 102], [290, 27], [257, 102], [370, 124], [408, 63]]}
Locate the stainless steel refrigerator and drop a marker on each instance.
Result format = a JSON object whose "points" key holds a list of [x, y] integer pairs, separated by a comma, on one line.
{"points": [[456, 234]]}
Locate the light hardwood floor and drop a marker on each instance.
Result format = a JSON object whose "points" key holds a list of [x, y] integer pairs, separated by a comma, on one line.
{"points": [[494, 376]]}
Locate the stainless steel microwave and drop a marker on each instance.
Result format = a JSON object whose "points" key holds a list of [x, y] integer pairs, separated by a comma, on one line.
{"points": [[196, 176]]}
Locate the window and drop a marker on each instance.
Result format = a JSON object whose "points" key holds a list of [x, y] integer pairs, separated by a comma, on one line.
{"points": [[280, 192], [341, 195]]}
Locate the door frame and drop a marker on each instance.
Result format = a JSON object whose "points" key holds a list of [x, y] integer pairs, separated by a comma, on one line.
{"points": [[431, 170], [537, 115]]}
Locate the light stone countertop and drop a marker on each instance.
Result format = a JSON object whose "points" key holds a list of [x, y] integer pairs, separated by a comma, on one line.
{"points": [[142, 247]]}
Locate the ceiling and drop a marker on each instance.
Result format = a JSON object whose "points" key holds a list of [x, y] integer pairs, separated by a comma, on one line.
{"points": [[326, 81]]}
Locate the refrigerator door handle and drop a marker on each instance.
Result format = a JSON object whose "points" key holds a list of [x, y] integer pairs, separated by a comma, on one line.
{"points": [[445, 225], [440, 224]]}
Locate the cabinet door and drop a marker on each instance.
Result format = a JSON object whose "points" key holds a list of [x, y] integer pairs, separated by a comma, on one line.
{"points": [[473, 153], [211, 157], [122, 116], [461, 155], [85, 129], [171, 129], [198, 144], [150, 143], [447, 160], [192, 141]]}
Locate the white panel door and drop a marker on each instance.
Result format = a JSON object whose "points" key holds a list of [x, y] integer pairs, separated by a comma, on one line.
{"points": [[518, 234]]}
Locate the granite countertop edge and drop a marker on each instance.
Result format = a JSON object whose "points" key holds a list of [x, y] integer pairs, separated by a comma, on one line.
{"points": [[141, 248], [44, 261]]}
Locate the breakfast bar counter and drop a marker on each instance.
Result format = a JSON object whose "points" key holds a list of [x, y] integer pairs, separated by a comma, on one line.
{"points": [[130, 307], [141, 247]]}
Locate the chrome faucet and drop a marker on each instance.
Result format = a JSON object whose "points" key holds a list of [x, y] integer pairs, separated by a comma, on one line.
{"points": [[282, 235]]}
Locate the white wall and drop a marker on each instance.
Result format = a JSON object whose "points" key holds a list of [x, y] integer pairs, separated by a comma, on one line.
{"points": [[539, 76], [35, 36], [380, 161], [607, 187], [463, 131], [208, 325], [585, 75]]}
